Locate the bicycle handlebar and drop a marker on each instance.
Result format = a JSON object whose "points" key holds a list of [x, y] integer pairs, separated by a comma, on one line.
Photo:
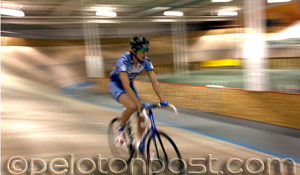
{"points": [[158, 105], [175, 112]]}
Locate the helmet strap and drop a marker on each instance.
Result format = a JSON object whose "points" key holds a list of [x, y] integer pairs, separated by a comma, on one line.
{"points": [[136, 57]]}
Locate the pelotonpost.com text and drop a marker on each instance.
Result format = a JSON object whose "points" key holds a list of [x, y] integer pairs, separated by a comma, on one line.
{"points": [[19, 165]]}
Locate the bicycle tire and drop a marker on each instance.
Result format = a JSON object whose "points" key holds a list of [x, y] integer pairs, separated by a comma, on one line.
{"points": [[165, 142], [116, 151]]}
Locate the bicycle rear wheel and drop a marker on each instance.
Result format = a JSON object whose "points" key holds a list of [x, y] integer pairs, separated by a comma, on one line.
{"points": [[165, 150], [118, 152]]}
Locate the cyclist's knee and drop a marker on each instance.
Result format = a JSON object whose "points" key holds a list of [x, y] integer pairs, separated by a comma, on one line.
{"points": [[132, 108]]}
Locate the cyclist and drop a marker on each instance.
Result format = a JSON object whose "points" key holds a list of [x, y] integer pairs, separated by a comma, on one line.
{"points": [[121, 87]]}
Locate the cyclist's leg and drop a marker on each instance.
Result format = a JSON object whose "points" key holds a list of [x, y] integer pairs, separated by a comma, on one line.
{"points": [[130, 108], [119, 94], [139, 119], [140, 129]]}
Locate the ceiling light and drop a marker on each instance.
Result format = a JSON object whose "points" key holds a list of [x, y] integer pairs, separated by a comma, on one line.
{"points": [[227, 13], [274, 1], [221, 0], [11, 12], [106, 13], [173, 13], [163, 20]]}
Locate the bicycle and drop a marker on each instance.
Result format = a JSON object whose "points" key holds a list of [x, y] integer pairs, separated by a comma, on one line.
{"points": [[160, 153]]}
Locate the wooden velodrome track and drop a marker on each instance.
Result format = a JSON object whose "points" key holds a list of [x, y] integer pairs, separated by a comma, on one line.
{"points": [[38, 121]]}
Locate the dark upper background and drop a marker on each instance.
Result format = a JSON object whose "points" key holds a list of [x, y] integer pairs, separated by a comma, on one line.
{"points": [[65, 19]]}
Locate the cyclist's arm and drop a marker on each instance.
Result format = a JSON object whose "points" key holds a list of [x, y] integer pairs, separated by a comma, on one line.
{"points": [[126, 85], [155, 85]]}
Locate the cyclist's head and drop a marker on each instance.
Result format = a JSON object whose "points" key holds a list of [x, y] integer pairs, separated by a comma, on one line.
{"points": [[139, 42]]}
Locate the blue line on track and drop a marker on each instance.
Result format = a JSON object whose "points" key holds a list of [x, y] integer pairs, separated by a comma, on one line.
{"points": [[230, 141]]}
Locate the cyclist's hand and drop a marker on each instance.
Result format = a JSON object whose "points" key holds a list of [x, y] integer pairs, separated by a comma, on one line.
{"points": [[146, 106], [164, 103]]}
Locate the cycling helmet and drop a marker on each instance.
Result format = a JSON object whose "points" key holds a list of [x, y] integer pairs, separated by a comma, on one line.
{"points": [[138, 42]]}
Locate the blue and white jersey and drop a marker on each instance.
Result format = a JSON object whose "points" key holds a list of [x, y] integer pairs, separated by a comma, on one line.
{"points": [[125, 64]]}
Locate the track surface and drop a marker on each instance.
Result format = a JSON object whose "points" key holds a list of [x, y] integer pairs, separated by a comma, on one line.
{"points": [[41, 122]]}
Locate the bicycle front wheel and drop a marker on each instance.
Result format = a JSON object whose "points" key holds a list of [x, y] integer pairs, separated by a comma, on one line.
{"points": [[163, 150]]}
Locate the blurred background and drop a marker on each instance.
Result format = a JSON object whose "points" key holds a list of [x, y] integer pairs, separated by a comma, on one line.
{"points": [[250, 45], [230, 58], [218, 46]]}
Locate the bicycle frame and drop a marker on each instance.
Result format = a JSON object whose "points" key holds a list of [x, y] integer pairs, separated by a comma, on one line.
{"points": [[149, 119], [151, 127]]}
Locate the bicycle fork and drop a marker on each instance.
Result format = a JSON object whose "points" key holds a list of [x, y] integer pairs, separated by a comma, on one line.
{"points": [[142, 139]]}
